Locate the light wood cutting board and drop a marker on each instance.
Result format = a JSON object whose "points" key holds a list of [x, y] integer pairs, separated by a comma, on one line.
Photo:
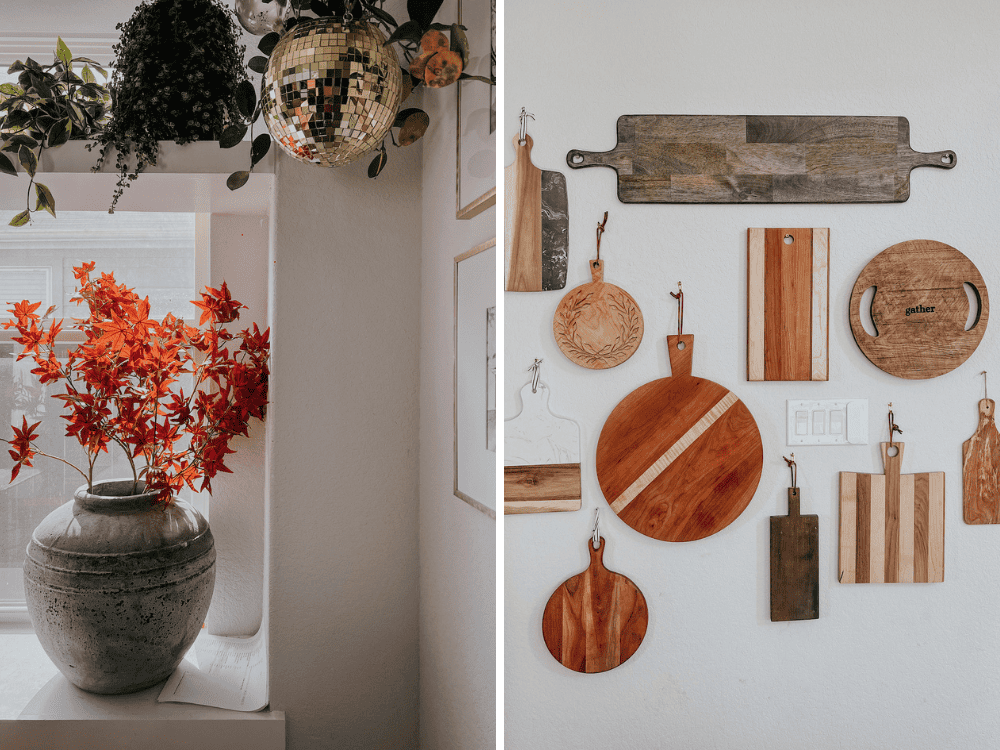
{"points": [[981, 469]]}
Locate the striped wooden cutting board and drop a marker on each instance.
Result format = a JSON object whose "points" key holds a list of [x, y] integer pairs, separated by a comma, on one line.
{"points": [[788, 309], [892, 525]]}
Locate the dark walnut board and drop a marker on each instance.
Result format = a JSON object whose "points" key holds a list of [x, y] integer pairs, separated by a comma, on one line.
{"points": [[762, 159], [919, 309], [595, 620], [679, 458], [794, 564]]}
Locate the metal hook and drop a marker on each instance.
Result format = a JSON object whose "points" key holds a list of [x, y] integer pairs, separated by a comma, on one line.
{"points": [[986, 390], [794, 468], [679, 296], [600, 231], [893, 427], [524, 125], [597, 527], [534, 374]]}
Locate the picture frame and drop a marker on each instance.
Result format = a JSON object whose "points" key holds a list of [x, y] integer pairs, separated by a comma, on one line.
{"points": [[476, 136], [475, 295]]}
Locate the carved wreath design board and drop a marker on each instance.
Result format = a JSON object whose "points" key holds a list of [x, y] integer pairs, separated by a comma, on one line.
{"points": [[919, 309], [541, 457], [892, 525], [981, 469], [598, 325], [788, 308]]}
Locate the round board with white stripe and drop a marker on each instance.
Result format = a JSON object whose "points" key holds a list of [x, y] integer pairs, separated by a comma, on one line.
{"points": [[679, 458]]}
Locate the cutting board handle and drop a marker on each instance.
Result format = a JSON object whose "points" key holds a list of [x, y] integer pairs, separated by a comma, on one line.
{"points": [[987, 407], [793, 502], [597, 270], [680, 348], [596, 555], [578, 159], [940, 159], [892, 464]]}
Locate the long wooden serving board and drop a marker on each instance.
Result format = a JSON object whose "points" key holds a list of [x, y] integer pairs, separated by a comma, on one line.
{"points": [[892, 525], [788, 308], [981, 469], [762, 159], [595, 620], [794, 564]]}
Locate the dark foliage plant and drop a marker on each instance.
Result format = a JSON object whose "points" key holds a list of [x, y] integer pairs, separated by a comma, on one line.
{"points": [[177, 68]]}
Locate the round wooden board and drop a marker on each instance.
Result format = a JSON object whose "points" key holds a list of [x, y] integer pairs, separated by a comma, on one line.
{"points": [[595, 620], [679, 458], [924, 278], [598, 325]]}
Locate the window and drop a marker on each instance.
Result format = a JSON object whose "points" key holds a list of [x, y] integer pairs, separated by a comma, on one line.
{"points": [[162, 255]]}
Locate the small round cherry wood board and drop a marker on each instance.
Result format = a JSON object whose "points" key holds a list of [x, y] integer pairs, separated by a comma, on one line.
{"points": [[679, 458], [596, 619], [919, 309], [598, 325]]}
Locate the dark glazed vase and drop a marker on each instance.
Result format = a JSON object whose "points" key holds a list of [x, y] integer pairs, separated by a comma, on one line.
{"points": [[118, 586]]}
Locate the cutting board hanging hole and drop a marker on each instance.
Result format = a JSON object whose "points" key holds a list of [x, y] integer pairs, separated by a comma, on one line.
{"points": [[892, 451], [789, 239], [947, 158]]}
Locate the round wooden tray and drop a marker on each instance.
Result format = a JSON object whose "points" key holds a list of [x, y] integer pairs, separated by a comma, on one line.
{"points": [[919, 309]]}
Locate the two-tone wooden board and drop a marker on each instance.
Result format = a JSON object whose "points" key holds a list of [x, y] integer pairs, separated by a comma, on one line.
{"points": [[981, 469], [679, 458], [595, 620], [794, 564], [788, 304], [919, 309], [762, 159], [536, 224], [892, 525]]}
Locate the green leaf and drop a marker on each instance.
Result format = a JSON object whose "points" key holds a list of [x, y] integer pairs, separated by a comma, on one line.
{"points": [[22, 140], [259, 148], [59, 133], [45, 199], [21, 219], [460, 43], [237, 180], [63, 53], [232, 135], [258, 64], [246, 98], [27, 158], [410, 31], [88, 75], [413, 128], [378, 164], [403, 114], [7, 166], [16, 67], [16, 119], [10, 89], [423, 11], [267, 42], [381, 15]]}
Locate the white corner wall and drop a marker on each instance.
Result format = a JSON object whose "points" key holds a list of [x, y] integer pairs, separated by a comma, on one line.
{"points": [[457, 542], [909, 665]]}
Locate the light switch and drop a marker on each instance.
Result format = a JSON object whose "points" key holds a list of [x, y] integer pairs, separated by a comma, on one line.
{"points": [[828, 422]]}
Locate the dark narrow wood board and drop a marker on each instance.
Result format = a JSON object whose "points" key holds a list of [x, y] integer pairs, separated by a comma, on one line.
{"points": [[679, 458], [981, 469], [794, 564], [762, 159], [595, 620], [919, 309]]}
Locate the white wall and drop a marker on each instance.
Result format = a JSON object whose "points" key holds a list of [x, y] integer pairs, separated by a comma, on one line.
{"points": [[457, 542], [885, 665], [342, 592]]}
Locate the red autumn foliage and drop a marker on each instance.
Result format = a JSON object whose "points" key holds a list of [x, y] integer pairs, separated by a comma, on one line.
{"points": [[121, 383]]}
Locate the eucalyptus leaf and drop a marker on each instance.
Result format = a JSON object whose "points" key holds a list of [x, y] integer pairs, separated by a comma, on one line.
{"points": [[259, 148], [237, 180], [63, 53], [267, 42], [423, 11], [45, 199], [232, 135], [460, 43], [246, 98], [21, 219], [258, 64], [378, 164], [403, 114], [413, 128], [7, 166], [27, 158], [409, 31]]}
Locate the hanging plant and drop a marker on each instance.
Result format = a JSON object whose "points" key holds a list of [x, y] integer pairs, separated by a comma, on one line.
{"points": [[49, 105], [431, 57], [177, 69]]}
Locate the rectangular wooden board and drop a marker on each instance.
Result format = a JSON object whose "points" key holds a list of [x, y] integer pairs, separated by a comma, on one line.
{"points": [[794, 568], [542, 488], [788, 282], [762, 159]]}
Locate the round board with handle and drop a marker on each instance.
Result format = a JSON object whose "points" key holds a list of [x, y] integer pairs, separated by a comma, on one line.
{"points": [[679, 458]]}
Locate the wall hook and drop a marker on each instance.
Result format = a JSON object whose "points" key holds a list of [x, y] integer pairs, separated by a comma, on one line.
{"points": [[794, 468], [522, 135], [893, 427], [535, 368], [600, 231], [986, 390], [597, 529], [679, 296]]}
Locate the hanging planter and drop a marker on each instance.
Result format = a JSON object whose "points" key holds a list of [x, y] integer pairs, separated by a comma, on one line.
{"points": [[331, 91]]}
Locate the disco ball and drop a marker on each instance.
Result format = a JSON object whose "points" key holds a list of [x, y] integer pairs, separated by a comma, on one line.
{"points": [[331, 92]]}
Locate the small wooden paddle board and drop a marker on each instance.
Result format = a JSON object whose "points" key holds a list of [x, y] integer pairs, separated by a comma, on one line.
{"points": [[981, 469], [794, 564], [595, 620]]}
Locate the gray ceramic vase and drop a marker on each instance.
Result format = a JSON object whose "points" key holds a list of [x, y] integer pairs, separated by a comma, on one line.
{"points": [[118, 587]]}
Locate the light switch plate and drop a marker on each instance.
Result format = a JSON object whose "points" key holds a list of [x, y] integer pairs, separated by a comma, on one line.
{"points": [[842, 421]]}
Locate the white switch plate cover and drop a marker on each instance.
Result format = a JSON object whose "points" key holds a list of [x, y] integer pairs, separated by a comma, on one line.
{"points": [[841, 421]]}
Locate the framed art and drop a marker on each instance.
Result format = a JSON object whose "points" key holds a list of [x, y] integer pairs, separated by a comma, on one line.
{"points": [[475, 170], [475, 377]]}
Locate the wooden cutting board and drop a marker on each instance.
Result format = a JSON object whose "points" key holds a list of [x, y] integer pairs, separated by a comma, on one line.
{"points": [[541, 458], [762, 159], [679, 458], [919, 309], [788, 308], [794, 564], [595, 620], [892, 525], [981, 469], [536, 224], [598, 325]]}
